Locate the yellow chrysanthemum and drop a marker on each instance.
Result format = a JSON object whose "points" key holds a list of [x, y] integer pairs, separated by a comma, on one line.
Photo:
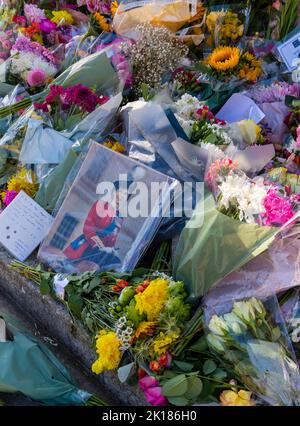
{"points": [[101, 21], [113, 8], [162, 343], [212, 18], [62, 17], [115, 146], [145, 328], [241, 398], [23, 181], [224, 58], [152, 300], [108, 349]]}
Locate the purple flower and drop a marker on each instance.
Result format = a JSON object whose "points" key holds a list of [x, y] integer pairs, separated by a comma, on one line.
{"points": [[24, 44], [93, 5], [33, 13], [276, 92], [47, 26]]}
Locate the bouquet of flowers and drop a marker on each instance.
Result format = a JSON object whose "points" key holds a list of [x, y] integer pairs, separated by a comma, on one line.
{"points": [[251, 339], [31, 62], [244, 218], [225, 26]]}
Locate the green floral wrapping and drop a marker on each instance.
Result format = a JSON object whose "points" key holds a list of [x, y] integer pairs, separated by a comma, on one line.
{"points": [[213, 245]]}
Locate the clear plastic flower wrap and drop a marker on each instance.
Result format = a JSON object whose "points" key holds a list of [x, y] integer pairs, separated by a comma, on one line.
{"points": [[226, 24], [250, 337], [290, 308], [106, 230], [184, 18], [228, 231]]}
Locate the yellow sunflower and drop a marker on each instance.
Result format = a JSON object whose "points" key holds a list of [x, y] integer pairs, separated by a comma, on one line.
{"points": [[101, 21], [113, 8], [224, 58]]}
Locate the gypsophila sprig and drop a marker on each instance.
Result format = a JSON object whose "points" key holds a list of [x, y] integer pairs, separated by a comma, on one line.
{"points": [[155, 53]]}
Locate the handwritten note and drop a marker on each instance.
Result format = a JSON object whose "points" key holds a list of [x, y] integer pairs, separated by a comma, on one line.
{"points": [[23, 225], [290, 50]]}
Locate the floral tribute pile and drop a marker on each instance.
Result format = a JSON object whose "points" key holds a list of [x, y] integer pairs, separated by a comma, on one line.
{"points": [[203, 92]]}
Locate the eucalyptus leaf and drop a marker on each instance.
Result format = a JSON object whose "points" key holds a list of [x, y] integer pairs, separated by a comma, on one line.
{"points": [[179, 401], [194, 387], [209, 366], [176, 386], [184, 366], [200, 345]]}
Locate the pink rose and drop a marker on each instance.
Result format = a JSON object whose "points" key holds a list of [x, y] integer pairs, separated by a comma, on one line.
{"points": [[155, 397], [147, 382], [36, 78]]}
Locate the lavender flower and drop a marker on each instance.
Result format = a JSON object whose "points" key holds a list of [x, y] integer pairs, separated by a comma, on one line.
{"points": [[24, 44], [33, 13], [274, 93]]}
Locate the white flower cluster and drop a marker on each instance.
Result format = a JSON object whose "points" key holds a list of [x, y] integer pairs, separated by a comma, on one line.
{"points": [[248, 195], [220, 132], [124, 332], [186, 107], [22, 64]]}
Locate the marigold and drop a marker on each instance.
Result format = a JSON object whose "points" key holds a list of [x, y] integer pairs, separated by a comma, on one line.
{"points": [[224, 58], [108, 349], [241, 398], [152, 300], [162, 343], [62, 16], [21, 182], [101, 21]]}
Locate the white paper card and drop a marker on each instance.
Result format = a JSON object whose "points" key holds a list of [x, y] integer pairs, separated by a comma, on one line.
{"points": [[23, 225], [289, 51], [59, 283], [2, 331], [240, 107]]}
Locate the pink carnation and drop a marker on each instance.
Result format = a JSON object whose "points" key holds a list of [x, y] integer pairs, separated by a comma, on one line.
{"points": [[278, 209], [36, 78], [9, 196]]}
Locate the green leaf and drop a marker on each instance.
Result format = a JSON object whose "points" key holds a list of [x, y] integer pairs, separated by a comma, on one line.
{"points": [[209, 366], [176, 386], [276, 334], [75, 304], [89, 323], [200, 345], [184, 366], [194, 387], [45, 286], [178, 400], [220, 374], [93, 284], [124, 372], [207, 389]]}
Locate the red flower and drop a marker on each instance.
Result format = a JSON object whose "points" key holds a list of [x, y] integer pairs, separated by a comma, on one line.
{"points": [[154, 366]]}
